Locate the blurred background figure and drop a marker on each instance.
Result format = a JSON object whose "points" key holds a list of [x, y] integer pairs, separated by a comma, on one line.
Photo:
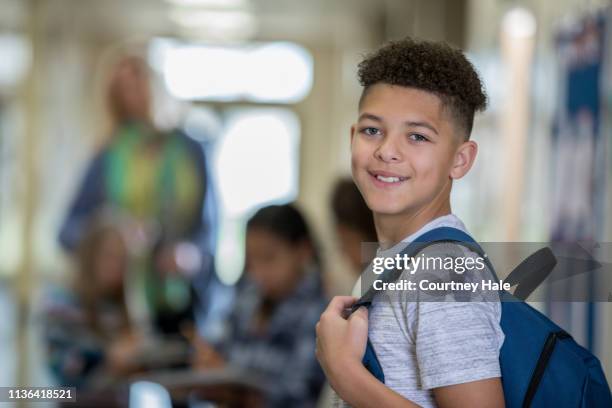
{"points": [[90, 339], [156, 180], [353, 222], [271, 330]]}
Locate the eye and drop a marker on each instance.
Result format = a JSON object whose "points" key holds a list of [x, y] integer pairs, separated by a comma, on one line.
{"points": [[371, 131], [418, 138]]}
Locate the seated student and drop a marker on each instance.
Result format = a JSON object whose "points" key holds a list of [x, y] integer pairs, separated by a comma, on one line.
{"points": [[271, 329], [353, 221], [410, 142], [87, 330]]}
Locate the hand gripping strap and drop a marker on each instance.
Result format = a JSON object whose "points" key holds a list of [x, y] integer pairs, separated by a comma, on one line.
{"points": [[370, 360]]}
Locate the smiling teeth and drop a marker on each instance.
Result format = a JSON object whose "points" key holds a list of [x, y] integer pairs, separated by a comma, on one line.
{"points": [[389, 179]]}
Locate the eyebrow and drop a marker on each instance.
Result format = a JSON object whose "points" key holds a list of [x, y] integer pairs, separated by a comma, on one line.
{"points": [[408, 122]]}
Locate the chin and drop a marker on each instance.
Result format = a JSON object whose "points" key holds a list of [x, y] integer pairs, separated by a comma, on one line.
{"points": [[387, 208]]}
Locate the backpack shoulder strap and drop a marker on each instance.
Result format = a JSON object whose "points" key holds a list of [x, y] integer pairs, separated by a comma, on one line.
{"points": [[436, 235], [442, 234]]}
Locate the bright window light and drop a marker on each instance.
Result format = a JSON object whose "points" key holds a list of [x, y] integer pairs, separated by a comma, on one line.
{"points": [[257, 159], [280, 72], [15, 54], [256, 164], [519, 23], [203, 73]]}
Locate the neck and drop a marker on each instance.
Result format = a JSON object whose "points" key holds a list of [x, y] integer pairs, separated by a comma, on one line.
{"points": [[392, 228]]}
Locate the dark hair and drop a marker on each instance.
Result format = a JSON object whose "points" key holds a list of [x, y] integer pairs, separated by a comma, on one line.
{"points": [[286, 222], [350, 209], [434, 67]]}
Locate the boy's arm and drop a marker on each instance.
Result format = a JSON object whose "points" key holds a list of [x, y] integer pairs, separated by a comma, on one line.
{"points": [[340, 347], [481, 393], [359, 388]]}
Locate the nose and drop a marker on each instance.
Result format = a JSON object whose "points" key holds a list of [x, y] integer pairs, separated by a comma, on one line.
{"points": [[388, 151]]}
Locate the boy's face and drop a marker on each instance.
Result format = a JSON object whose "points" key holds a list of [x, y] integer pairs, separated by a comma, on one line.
{"points": [[405, 150]]}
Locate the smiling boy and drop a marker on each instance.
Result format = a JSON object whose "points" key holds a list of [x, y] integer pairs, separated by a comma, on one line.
{"points": [[411, 140]]}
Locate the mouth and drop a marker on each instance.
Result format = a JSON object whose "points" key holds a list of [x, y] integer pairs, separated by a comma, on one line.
{"points": [[384, 178]]}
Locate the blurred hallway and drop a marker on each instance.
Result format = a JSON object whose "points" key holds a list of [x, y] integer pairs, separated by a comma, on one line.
{"points": [[267, 90]]}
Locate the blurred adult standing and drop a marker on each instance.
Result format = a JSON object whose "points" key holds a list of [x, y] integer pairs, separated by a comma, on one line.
{"points": [[156, 180]]}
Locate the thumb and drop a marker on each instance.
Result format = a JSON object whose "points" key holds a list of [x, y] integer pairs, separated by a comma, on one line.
{"points": [[359, 319]]}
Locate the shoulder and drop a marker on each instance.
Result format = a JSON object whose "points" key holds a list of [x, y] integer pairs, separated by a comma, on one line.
{"points": [[184, 138], [451, 292], [451, 257]]}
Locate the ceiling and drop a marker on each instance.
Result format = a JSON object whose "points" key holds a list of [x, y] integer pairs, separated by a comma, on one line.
{"points": [[309, 21]]}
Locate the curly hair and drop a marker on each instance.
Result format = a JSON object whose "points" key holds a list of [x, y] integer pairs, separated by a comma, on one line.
{"points": [[434, 67]]}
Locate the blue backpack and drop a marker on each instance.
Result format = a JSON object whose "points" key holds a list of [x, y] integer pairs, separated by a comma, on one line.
{"points": [[541, 364]]}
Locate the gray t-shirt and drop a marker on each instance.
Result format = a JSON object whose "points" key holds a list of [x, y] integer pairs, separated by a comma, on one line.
{"points": [[422, 345]]}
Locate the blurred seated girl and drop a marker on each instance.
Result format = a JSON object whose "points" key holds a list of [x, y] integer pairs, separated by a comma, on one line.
{"points": [[271, 331], [87, 330]]}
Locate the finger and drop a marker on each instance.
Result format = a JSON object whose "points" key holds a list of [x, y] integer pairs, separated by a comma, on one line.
{"points": [[359, 319], [339, 303], [360, 313]]}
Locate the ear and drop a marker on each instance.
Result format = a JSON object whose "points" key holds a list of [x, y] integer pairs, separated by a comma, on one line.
{"points": [[464, 159], [353, 129]]}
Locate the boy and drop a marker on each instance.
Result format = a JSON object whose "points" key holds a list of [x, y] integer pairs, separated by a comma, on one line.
{"points": [[409, 144]]}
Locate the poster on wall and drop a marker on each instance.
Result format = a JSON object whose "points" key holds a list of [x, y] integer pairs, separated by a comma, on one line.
{"points": [[579, 158]]}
